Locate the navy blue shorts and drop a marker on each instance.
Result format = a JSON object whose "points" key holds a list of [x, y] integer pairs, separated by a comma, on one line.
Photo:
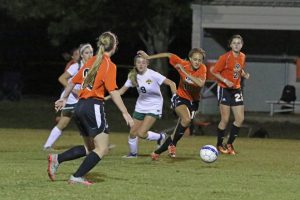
{"points": [[230, 97], [90, 117], [192, 105], [68, 110]]}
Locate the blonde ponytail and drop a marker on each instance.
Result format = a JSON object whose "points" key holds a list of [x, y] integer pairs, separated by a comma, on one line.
{"points": [[107, 42], [132, 76], [91, 75]]}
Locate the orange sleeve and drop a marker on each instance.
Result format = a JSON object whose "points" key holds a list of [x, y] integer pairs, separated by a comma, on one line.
{"points": [[174, 59], [110, 78], [220, 64]]}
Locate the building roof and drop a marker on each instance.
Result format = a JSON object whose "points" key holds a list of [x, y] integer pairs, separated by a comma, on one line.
{"points": [[259, 3]]}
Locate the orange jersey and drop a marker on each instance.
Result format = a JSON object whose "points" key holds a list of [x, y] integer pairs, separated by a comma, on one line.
{"points": [[230, 67], [186, 88], [105, 79]]}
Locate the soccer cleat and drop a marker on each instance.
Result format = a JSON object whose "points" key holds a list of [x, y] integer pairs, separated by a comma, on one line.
{"points": [[221, 149], [52, 166], [130, 155], [162, 139], [154, 156], [79, 180], [230, 149], [172, 151]]}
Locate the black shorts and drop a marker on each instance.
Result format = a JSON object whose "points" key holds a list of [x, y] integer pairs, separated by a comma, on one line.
{"points": [[192, 105], [68, 110], [90, 117], [230, 97]]}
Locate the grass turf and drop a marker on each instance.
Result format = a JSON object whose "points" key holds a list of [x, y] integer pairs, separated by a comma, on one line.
{"points": [[265, 169]]}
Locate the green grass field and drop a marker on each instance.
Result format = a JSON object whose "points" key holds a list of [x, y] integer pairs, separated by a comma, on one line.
{"points": [[265, 169]]}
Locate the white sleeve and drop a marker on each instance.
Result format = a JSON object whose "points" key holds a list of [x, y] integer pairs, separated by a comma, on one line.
{"points": [[73, 69], [128, 83], [159, 78]]}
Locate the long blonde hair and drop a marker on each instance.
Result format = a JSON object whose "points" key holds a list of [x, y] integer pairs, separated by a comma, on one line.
{"points": [[106, 42], [132, 75]]}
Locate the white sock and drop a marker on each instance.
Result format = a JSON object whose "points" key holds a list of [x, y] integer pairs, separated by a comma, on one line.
{"points": [[54, 135], [133, 145], [152, 136]]}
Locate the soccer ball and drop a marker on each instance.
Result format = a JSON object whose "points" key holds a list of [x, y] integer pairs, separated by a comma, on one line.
{"points": [[209, 153]]}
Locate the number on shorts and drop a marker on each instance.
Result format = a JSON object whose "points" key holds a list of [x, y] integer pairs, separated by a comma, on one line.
{"points": [[238, 97]]}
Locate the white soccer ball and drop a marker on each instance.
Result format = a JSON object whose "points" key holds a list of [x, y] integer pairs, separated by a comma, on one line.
{"points": [[209, 153]]}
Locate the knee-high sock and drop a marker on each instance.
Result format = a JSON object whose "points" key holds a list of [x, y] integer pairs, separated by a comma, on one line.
{"points": [[54, 135], [152, 136], [133, 145], [220, 136], [233, 134], [72, 154], [178, 133], [164, 146], [89, 163]]}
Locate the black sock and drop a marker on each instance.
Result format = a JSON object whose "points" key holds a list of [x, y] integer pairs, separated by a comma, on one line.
{"points": [[72, 154], [221, 135], [164, 146], [89, 162], [178, 133], [233, 134]]}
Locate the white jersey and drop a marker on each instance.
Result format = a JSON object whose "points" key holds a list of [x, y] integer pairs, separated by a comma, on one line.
{"points": [[150, 99], [72, 70]]}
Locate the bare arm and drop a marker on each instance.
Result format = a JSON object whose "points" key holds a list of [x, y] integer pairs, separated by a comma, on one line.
{"points": [[159, 55], [59, 104], [171, 84], [197, 81], [121, 91], [221, 78], [116, 97], [63, 79], [245, 74]]}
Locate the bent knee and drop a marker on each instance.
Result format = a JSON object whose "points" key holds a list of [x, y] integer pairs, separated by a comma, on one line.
{"points": [[186, 121]]}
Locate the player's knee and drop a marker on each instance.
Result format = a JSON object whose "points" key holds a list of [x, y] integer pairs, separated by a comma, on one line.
{"points": [[238, 122], [224, 122], [101, 151], [186, 121], [142, 134]]}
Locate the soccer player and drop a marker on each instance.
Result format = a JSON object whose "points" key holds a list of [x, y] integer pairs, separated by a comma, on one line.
{"points": [[149, 104], [186, 100], [86, 52], [96, 76], [75, 56], [228, 70]]}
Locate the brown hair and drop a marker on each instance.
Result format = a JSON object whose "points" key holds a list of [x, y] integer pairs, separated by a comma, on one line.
{"points": [[106, 43], [234, 37], [197, 50]]}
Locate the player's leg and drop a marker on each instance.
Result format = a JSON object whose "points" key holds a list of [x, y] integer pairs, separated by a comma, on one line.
{"points": [[225, 114], [57, 131], [133, 139], [238, 112], [54, 160]]}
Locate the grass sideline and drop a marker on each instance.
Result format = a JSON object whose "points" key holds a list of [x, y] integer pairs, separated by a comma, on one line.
{"points": [[265, 169]]}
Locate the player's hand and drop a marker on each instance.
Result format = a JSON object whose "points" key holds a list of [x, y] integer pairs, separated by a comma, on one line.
{"points": [[228, 83], [59, 104], [246, 75], [179, 66], [128, 119], [143, 54]]}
